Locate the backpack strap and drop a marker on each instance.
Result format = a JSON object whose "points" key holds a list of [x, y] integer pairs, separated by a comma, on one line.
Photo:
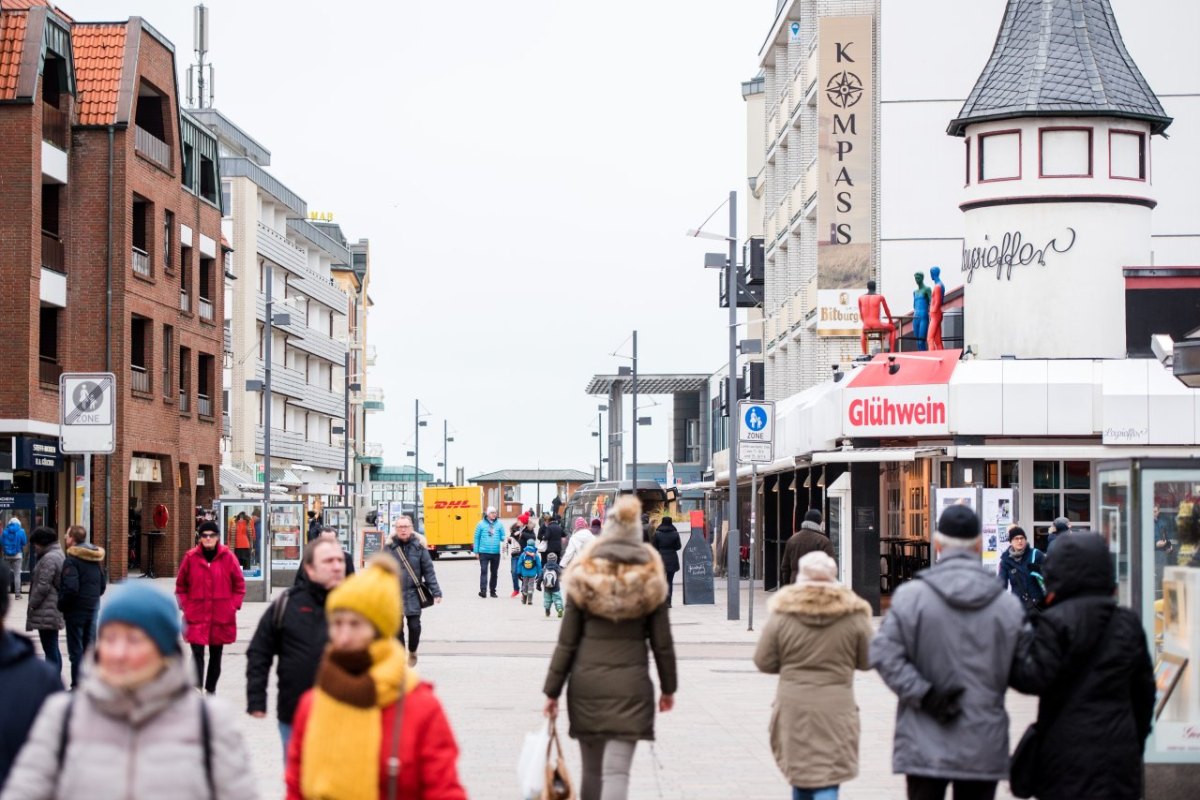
{"points": [[278, 607], [206, 743], [64, 732]]}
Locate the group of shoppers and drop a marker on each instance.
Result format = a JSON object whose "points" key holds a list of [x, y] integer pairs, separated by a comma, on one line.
{"points": [[954, 640]]}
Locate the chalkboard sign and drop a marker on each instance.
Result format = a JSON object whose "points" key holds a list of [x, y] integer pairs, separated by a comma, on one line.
{"points": [[372, 543], [697, 571]]}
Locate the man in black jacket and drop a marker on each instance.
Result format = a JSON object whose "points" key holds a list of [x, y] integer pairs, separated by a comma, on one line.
{"points": [[416, 567], [25, 681], [83, 582], [810, 537], [553, 536], [293, 629]]}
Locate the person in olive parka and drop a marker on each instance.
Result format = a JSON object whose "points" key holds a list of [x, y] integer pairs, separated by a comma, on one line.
{"points": [[616, 601], [1086, 658]]}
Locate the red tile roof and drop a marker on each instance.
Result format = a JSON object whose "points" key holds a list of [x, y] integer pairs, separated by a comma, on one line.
{"points": [[12, 39], [22, 5], [99, 57]]}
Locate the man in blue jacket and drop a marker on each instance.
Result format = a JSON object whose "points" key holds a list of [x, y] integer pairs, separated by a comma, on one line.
{"points": [[489, 538], [14, 541], [1020, 570]]}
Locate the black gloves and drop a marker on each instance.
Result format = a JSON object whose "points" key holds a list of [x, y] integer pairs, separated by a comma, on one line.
{"points": [[942, 704]]}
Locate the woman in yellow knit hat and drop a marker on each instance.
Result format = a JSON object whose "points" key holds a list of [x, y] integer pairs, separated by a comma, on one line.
{"points": [[344, 740]]}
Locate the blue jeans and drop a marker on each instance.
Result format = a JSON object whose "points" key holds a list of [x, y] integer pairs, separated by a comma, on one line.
{"points": [[81, 634], [489, 568], [827, 793], [516, 578], [50, 648], [285, 733]]}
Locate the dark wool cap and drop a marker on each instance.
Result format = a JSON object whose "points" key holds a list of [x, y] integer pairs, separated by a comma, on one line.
{"points": [[958, 522], [814, 515], [1062, 524], [208, 525]]}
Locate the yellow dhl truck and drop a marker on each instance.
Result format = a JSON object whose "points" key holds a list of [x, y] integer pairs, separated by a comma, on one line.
{"points": [[451, 514]]}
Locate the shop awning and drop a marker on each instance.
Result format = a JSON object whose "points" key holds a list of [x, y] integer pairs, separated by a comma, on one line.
{"points": [[867, 455]]}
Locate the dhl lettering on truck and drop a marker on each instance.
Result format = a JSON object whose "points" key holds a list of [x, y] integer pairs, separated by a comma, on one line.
{"points": [[440, 504]]}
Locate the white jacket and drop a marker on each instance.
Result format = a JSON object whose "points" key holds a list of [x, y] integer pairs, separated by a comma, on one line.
{"points": [[578, 540]]}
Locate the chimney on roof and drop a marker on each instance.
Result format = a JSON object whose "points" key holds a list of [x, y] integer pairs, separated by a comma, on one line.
{"points": [[198, 79]]}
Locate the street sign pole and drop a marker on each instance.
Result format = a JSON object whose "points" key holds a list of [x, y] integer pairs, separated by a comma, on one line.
{"points": [[87, 495], [753, 520], [87, 425], [755, 445]]}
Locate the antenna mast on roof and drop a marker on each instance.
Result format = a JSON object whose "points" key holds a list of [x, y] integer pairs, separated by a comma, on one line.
{"points": [[196, 72]]}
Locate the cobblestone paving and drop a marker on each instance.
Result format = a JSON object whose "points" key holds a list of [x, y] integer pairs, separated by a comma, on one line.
{"points": [[488, 658]]}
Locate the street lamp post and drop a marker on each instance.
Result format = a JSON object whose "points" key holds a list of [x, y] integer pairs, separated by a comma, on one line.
{"points": [[635, 415], [446, 439], [732, 567]]}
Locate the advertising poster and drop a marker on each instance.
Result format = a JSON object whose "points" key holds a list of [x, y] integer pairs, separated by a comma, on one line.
{"points": [[845, 171], [995, 518], [1177, 705]]}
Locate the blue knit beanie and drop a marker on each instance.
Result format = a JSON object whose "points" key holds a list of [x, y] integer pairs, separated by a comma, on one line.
{"points": [[147, 608]]}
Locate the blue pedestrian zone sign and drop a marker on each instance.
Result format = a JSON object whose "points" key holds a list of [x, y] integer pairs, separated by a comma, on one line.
{"points": [[756, 432]]}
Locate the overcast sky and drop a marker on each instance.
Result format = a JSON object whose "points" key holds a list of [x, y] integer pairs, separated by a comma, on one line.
{"points": [[525, 173]]}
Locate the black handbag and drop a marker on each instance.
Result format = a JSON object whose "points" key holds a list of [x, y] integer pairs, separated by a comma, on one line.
{"points": [[424, 595]]}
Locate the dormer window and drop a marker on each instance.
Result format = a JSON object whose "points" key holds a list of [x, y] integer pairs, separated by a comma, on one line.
{"points": [[1065, 152]]}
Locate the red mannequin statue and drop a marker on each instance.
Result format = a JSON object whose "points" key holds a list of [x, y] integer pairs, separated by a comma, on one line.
{"points": [[935, 310], [868, 309]]}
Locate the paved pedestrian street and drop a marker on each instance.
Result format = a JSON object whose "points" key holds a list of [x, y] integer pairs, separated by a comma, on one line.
{"points": [[488, 659]]}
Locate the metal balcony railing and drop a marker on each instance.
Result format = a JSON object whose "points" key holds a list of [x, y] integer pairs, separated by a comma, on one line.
{"points": [[55, 129], [204, 405], [152, 147], [141, 378], [53, 252], [185, 302], [206, 309], [141, 262], [49, 370], [185, 406]]}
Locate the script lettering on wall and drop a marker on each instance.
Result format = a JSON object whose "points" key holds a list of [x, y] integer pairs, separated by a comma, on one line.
{"points": [[1012, 250]]}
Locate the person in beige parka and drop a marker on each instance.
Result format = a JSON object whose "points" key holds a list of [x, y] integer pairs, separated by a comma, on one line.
{"points": [[818, 633]]}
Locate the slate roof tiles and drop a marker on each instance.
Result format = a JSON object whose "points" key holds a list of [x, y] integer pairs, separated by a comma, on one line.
{"points": [[1060, 58]]}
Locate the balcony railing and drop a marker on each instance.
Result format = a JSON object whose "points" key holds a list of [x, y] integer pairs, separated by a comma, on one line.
{"points": [[185, 302], [141, 262], [49, 370], [185, 406], [152, 147], [204, 405], [206, 309], [141, 378], [54, 126], [53, 253]]}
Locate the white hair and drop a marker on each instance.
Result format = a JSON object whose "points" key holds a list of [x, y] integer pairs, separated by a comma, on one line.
{"points": [[951, 544]]}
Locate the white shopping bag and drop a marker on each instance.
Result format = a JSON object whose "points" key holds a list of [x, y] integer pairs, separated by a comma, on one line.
{"points": [[531, 768]]}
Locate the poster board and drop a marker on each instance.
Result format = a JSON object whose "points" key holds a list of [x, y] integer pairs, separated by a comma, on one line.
{"points": [[370, 542], [996, 518], [697, 571]]}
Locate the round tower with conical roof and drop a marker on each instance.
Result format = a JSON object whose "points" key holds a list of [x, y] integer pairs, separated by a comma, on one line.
{"points": [[1058, 192]]}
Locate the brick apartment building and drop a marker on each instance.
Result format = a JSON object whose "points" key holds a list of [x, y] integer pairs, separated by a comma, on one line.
{"points": [[111, 258]]}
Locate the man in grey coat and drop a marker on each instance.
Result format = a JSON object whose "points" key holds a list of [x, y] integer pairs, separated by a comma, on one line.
{"points": [[415, 566], [945, 649]]}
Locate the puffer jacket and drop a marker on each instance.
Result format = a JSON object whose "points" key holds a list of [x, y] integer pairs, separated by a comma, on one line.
{"points": [[421, 562], [210, 594], [616, 602], [13, 539], [83, 579], [809, 538], [489, 537], [529, 556], [43, 613], [578, 542], [954, 627], [1088, 661], [25, 683], [145, 742], [815, 638], [667, 542], [298, 640]]}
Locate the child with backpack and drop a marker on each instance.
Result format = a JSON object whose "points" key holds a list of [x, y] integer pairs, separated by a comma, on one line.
{"points": [[551, 585], [529, 569]]}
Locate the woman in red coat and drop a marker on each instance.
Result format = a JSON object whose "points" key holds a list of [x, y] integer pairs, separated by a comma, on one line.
{"points": [[344, 734], [209, 588]]}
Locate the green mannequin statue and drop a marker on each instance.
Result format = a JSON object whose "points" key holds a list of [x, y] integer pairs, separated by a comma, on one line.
{"points": [[922, 296]]}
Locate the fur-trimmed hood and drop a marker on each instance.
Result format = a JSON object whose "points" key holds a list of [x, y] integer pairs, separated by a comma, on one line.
{"points": [[87, 552], [608, 582], [818, 604]]}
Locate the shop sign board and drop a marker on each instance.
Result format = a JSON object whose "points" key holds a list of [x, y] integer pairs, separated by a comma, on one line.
{"points": [[845, 171], [919, 410], [756, 432], [38, 455], [87, 418]]}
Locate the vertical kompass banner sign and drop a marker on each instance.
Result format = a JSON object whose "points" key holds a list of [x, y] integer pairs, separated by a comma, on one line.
{"points": [[845, 171]]}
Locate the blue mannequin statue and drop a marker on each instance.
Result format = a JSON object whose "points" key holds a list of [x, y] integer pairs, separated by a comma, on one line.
{"points": [[921, 299]]}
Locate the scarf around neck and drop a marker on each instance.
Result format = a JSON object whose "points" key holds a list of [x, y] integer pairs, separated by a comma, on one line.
{"points": [[341, 748]]}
